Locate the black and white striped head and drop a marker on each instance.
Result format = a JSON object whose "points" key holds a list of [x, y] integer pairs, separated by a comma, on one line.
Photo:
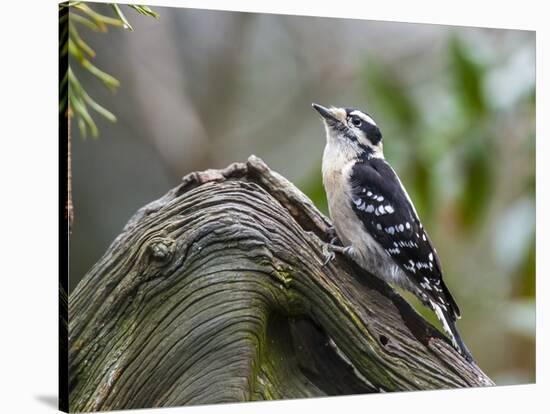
{"points": [[352, 130]]}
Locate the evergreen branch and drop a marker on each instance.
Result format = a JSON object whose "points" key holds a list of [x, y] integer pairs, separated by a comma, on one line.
{"points": [[69, 4], [100, 19], [74, 100], [146, 11], [79, 42], [109, 81], [90, 24], [98, 108], [122, 17]]}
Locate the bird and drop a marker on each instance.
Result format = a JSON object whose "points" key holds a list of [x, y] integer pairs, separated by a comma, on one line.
{"points": [[375, 219]]}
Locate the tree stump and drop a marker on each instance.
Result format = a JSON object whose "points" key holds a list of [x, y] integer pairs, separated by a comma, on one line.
{"points": [[217, 293]]}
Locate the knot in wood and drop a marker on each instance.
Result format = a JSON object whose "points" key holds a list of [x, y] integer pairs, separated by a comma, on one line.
{"points": [[161, 249]]}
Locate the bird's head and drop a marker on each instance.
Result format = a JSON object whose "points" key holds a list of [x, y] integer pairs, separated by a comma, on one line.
{"points": [[352, 131]]}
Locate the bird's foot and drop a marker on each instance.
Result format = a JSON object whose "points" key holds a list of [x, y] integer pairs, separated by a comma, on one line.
{"points": [[330, 250]]}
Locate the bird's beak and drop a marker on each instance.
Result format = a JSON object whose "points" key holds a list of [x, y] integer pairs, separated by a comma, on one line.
{"points": [[332, 115]]}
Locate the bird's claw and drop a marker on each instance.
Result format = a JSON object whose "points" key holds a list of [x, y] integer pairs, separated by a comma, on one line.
{"points": [[330, 250], [328, 253]]}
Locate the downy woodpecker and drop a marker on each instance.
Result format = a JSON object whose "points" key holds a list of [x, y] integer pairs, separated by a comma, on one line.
{"points": [[374, 217]]}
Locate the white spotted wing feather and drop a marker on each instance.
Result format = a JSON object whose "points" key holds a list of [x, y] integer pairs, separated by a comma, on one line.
{"points": [[388, 215]]}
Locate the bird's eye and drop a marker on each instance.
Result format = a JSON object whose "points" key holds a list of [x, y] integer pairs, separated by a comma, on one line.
{"points": [[356, 122]]}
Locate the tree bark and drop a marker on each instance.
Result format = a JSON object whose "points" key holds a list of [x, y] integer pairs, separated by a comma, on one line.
{"points": [[217, 292]]}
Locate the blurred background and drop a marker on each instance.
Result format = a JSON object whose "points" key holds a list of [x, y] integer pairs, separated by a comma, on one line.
{"points": [[456, 106]]}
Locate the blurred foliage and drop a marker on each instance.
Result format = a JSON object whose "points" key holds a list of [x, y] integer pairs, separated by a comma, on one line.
{"points": [[313, 187], [467, 135], [74, 100], [467, 76], [393, 97], [528, 282], [478, 181]]}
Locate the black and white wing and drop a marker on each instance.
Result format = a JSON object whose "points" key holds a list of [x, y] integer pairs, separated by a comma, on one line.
{"points": [[386, 211]]}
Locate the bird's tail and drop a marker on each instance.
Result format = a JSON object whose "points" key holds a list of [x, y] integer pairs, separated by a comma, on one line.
{"points": [[458, 342], [448, 321]]}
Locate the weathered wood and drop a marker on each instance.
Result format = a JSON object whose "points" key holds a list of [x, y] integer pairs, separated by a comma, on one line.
{"points": [[217, 292]]}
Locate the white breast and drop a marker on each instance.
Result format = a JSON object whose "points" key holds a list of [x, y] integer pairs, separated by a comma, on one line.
{"points": [[336, 171], [337, 167]]}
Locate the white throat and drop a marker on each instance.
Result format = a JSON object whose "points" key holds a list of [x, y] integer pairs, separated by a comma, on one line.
{"points": [[338, 147]]}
